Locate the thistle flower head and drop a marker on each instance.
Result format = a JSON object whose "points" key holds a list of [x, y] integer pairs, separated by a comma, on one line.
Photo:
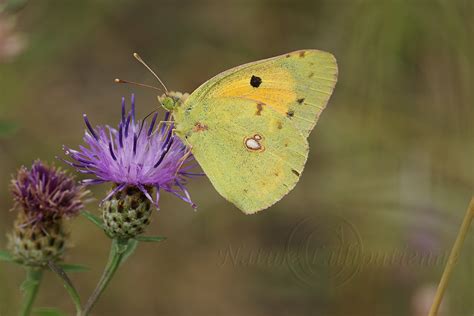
{"points": [[46, 193], [43, 196], [137, 153]]}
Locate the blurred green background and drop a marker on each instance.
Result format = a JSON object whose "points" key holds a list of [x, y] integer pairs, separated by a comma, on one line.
{"points": [[390, 171]]}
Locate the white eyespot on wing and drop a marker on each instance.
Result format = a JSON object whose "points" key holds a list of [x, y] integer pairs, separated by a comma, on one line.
{"points": [[253, 143]]}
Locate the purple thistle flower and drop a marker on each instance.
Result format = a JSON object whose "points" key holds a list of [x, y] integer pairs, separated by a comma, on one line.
{"points": [[46, 193], [135, 154]]}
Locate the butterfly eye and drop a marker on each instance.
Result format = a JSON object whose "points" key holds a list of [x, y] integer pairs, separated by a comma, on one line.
{"points": [[169, 103]]}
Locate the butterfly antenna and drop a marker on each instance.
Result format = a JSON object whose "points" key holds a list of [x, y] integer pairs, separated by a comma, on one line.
{"points": [[117, 80], [137, 57]]}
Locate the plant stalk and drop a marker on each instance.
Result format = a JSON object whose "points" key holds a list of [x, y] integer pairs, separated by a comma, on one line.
{"points": [[117, 251], [31, 287], [71, 290], [452, 260]]}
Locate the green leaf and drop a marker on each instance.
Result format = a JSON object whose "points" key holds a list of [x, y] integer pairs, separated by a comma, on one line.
{"points": [[73, 267], [45, 311], [7, 128], [131, 246], [150, 238], [94, 219], [120, 246], [28, 284], [5, 256]]}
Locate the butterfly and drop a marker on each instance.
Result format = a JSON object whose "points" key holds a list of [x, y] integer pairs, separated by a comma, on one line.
{"points": [[247, 127]]}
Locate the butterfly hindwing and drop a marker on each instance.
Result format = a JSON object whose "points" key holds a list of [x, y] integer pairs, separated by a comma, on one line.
{"points": [[252, 160]]}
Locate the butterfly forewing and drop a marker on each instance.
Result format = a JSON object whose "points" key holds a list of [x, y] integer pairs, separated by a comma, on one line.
{"points": [[297, 85]]}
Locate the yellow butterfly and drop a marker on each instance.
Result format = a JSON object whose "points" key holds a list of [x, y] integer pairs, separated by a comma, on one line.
{"points": [[248, 126]]}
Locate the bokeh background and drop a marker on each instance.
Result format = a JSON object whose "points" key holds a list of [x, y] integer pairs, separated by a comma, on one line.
{"points": [[389, 176]]}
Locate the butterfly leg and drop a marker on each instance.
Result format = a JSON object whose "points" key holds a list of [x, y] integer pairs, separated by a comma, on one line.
{"points": [[186, 155], [159, 126]]}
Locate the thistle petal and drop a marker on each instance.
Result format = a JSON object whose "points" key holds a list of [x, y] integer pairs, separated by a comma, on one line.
{"points": [[127, 157]]}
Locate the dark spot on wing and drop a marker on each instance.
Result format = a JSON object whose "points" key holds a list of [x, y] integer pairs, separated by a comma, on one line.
{"points": [[259, 108], [255, 81], [311, 75], [300, 100], [290, 113], [286, 144], [295, 172], [302, 53], [199, 127]]}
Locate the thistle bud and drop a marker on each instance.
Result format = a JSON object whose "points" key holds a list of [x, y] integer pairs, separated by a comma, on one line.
{"points": [[127, 213], [35, 245]]}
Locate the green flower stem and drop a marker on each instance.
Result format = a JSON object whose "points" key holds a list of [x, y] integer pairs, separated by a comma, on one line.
{"points": [[117, 251], [71, 290], [453, 259], [30, 287]]}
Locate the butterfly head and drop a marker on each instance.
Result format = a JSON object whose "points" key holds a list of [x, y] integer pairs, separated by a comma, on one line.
{"points": [[172, 100]]}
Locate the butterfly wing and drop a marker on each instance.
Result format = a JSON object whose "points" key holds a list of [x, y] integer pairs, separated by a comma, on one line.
{"points": [[253, 161], [297, 85], [248, 126]]}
